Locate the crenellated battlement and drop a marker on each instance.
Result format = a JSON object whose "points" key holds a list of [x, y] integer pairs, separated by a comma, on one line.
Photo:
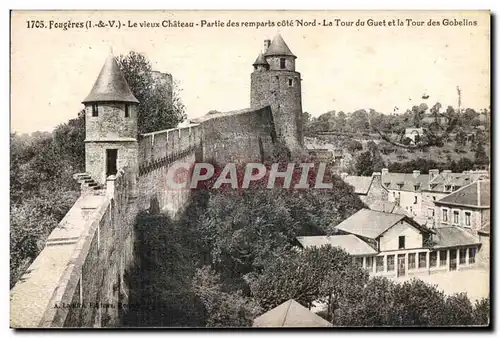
{"points": [[162, 148]]}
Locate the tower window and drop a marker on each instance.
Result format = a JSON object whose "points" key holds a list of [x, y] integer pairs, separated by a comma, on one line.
{"points": [[95, 110], [282, 63], [290, 82], [127, 110]]}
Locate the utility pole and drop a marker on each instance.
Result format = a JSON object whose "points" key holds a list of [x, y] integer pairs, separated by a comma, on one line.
{"points": [[459, 98]]}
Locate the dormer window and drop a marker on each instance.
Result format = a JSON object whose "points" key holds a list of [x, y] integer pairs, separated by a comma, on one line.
{"points": [[416, 187], [282, 63], [127, 110], [95, 110], [447, 187], [400, 186]]}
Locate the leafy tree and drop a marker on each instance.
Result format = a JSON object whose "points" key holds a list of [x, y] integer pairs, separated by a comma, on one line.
{"points": [[364, 164], [359, 121], [354, 146], [480, 156], [223, 309], [461, 138], [308, 275], [459, 310], [157, 109], [482, 312]]}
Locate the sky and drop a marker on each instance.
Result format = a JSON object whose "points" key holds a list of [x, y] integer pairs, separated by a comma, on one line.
{"points": [[343, 67]]}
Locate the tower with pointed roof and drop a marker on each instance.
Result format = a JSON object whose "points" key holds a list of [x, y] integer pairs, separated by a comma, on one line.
{"points": [[110, 124], [275, 82]]}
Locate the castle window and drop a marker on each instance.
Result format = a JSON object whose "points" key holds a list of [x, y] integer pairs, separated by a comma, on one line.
{"points": [[127, 110], [290, 82], [282, 63], [95, 110]]}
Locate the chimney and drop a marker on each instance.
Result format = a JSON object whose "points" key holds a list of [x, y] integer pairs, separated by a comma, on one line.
{"points": [[267, 43], [343, 175], [446, 175], [416, 173], [433, 173], [385, 171]]}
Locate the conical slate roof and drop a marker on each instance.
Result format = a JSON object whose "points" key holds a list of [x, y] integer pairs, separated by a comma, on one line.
{"points": [[110, 85], [278, 47], [261, 60]]}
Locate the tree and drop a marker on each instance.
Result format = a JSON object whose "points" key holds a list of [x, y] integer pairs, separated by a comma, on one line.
{"points": [[359, 121], [480, 156], [157, 110], [364, 164], [308, 275], [461, 138], [354, 146], [482, 312], [223, 309]]}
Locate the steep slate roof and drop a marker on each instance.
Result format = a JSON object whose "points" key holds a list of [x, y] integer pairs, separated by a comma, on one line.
{"points": [[361, 184], [408, 181], [439, 183], [350, 243], [290, 314], [261, 60], [110, 85], [390, 207], [452, 236], [476, 195], [371, 224], [279, 47]]}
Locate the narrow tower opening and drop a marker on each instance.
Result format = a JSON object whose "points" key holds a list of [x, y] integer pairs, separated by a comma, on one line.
{"points": [[111, 158]]}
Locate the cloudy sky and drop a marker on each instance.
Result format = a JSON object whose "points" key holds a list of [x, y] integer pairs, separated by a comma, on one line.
{"points": [[343, 68]]}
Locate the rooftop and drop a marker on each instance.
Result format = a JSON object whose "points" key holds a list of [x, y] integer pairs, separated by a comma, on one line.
{"points": [[371, 224], [110, 85], [261, 60], [404, 181], [290, 314], [279, 47], [389, 207], [448, 180], [476, 195], [361, 184], [452, 236], [350, 243]]}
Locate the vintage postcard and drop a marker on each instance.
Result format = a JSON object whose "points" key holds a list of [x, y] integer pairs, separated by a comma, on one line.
{"points": [[250, 169]]}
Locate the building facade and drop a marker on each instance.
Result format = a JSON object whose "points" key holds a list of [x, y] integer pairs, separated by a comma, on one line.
{"points": [[394, 245]]}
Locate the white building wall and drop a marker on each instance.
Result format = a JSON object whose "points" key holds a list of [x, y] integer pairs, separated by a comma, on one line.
{"points": [[390, 239]]}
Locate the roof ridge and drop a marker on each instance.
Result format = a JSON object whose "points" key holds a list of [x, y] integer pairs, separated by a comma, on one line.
{"points": [[286, 312]]}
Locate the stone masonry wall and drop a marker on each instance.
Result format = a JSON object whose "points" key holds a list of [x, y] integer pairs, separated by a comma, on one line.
{"points": [[158, 152], [77, 279], [376, 192], [240, 136], [281, 89]]}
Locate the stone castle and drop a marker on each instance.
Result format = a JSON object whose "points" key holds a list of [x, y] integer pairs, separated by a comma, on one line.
{"points": [[78, 278]]}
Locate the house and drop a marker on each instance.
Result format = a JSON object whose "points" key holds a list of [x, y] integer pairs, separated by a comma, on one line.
{"points": [[405, 189], [290, 314], [395, 245], [443, 184], [414, 134], [368, 188], [467, 207]]}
